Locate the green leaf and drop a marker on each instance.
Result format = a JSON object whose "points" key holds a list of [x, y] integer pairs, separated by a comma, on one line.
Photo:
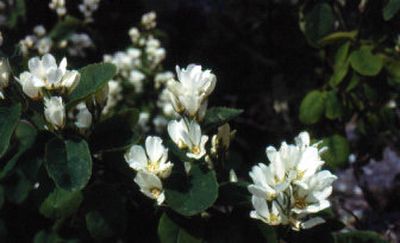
{"points": [[51, 237], [61, 203], [170, 232], [338, 151], [358, 237], [93, 77], [333, 109], [312, 107], [339, 36], [393, 69], [391, 9], [217, 116], [18, 12], [97, 226], [18, 188], [319, 22], [365, 62], [9, 116], [26, 136], [107, 215], [69, 163], [64, 28], [354, 81], [341, 66], [192, 194], [104, 137]]}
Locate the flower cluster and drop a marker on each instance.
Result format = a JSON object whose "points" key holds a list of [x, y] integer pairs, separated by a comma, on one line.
{"points": [[42, 43], [38, 41], [48, 81], [151, 166], [292, 186], [87, 8], [189, 94], [138, 65], [58, 6]]}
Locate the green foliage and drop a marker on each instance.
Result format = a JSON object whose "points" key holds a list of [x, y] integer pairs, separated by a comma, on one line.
{"points": [[170, 232], [104, 137], [193, 194], [391, 9], [333, 106], [25, 135], [18, 12], [318, 22], [65, 27], [69, 163], [61, 203], [217, 116], [365, 62], [9, 116], [341, 65], [338, 151], [93, 77], [312, 107]]}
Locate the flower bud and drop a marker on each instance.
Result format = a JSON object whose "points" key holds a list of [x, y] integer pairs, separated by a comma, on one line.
{"points": [[54, 111]]}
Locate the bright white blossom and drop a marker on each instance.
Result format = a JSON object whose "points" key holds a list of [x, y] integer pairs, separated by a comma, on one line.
{"points": [[293, 182], [136, 79], [134, 34], [83, 118], [162, 78], [58, 6], [78, 44], [189, 95], [54, 111], [44, 73], [152, 160], [87, 8], [149, 20], [187, 135], [151, 186]]}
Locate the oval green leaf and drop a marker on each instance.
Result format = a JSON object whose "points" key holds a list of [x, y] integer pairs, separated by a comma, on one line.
{"points": [[61, 203], [69, 163], [338, 151], [312, 107], [9, 116], [192, 194], [93, 77], [365, 62]]}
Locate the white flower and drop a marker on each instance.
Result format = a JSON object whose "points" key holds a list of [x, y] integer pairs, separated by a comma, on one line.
{"points": [[190, 93], [44, 45], [79, 42], [134, 34], [143, 122], [187, 135], [46, 74], [54, 111], [164, 103], [151, 186], [293, 183], [58, 6], [4, 75], [152, 160], [271, 216], [88, 7], [39, 30], [149, 20], [84, 117], [268, 181], [162, 78], [311, 196], [26, 81], [136, 79]]}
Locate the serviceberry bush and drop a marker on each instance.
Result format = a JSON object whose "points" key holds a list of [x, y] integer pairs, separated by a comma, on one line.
{"points": [[102, 140]]}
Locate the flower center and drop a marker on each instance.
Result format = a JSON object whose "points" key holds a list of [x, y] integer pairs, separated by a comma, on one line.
{"points": [[273, 218], [300, 174], [152, 167], [196, 150], [155, 192], [300, 203]]}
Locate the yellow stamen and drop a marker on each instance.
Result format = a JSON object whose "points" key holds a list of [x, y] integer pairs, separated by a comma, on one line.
{"points": [[152, 167], [196, 150], [300, 203], [155, 192]]}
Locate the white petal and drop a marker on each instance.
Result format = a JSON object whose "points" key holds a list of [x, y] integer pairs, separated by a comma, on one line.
{"points": [[154, 148], [312, 222], [138, 156]]}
